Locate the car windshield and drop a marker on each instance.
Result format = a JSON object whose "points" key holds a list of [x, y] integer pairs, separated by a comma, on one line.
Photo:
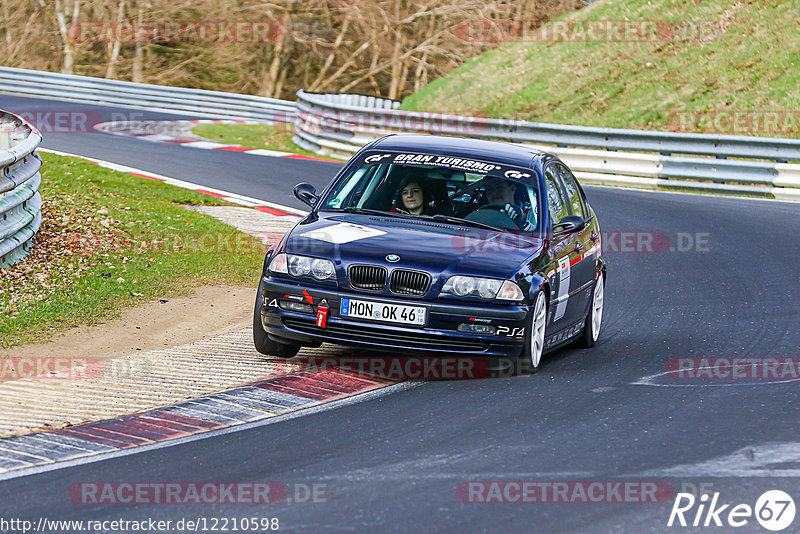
{"points": [[449, 189]]}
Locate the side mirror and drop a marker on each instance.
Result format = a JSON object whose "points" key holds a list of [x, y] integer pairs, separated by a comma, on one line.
{"points": [[306, 193], [569, 224]]}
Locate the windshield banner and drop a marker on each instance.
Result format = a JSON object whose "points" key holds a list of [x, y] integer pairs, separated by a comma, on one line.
{"points": [[447, 162]]}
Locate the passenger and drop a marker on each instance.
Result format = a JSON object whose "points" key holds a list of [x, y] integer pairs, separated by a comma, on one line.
{"points": [[501, 195], [412, 197]]}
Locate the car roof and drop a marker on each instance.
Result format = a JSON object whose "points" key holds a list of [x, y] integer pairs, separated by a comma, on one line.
{"points": [[493, 151]]}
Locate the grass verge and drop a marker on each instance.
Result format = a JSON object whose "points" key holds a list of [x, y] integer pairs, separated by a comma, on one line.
{"points": [[111, 240], [254, 136], [715, 66]]}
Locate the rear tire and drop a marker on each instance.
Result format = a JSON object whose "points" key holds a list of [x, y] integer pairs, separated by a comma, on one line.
{"points": [[594, 319], [531, 356], [263, 343]]}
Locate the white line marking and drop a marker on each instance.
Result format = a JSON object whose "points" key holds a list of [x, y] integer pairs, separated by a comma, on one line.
{"points": [[413, 472], [136, 130], [703, 194], [355, 399], [231, 197], [648, 381], [154, 137], [197, 144], [265, 152], [755, 461]]}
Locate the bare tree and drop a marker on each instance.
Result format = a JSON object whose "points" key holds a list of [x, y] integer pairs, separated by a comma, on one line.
{"points": [[138, 57], [62, 11], [114, 42], [380, 47], [7, 23]]}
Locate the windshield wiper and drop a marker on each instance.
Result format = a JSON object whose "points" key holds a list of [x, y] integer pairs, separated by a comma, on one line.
{"points": [[437, 218], [367, 211], [460, 221]]}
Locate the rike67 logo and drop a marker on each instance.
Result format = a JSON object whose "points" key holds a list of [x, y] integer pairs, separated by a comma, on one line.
{"points": [[774, 510]]}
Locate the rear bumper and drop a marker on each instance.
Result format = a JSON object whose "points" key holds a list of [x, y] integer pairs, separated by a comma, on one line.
{"points": [[438, 337]]}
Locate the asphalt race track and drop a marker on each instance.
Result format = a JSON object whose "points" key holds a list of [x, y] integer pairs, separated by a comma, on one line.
{"points": [[264, 178], [393, 463]]}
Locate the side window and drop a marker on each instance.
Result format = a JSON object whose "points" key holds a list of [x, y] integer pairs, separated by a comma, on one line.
{"points": [[556, 203], [573, 192]]}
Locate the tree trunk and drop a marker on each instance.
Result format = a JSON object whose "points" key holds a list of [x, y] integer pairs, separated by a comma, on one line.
{"points": [[281, 81], [7, 23], [114, 52], [395, 68], [270, 81], [331, 56], [341, 70], [138, 57], [61, 18], [401, 84], [421, 73]]}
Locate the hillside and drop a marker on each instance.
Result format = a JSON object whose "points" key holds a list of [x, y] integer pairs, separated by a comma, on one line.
{"points": [[713, 66], [379, 47]]}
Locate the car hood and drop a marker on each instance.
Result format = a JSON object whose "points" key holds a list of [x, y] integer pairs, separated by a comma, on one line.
{"points": [[438, 248]]}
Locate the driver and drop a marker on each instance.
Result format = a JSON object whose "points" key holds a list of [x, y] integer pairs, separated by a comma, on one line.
{"points": [[412, 197], [500, 194]]}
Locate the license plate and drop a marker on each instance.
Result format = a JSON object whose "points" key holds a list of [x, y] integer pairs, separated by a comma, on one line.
{"points": [[379, 311]]}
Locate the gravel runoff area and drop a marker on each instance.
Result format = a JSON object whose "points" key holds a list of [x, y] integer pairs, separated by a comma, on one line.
{"points": [[90, 387]]}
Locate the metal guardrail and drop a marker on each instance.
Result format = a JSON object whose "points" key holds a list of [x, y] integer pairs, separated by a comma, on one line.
{"points": [[339, 125], [175, 100], [20, 201]]}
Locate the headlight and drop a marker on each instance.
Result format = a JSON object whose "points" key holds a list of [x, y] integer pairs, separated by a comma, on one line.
{"points": [[460, 285], [299, 266], [322, 269], [487, 288], [278, 264], [510, 291]]}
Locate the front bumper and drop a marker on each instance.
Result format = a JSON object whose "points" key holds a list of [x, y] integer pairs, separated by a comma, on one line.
{"points": [[440, 335]]}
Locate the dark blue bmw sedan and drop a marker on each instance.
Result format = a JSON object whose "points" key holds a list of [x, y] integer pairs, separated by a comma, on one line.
{"points": [[438, 245]]}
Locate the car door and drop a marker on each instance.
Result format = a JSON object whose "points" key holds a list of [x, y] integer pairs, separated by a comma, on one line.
{"points": [[582, 257], [559, 269]]}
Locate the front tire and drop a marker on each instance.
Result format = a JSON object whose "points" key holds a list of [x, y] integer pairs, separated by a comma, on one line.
{"points": [[261, 340], [531, 355], [594, 319]]}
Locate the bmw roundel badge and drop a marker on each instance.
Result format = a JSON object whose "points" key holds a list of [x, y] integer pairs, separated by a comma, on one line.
{"points": [[392, 258]]}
